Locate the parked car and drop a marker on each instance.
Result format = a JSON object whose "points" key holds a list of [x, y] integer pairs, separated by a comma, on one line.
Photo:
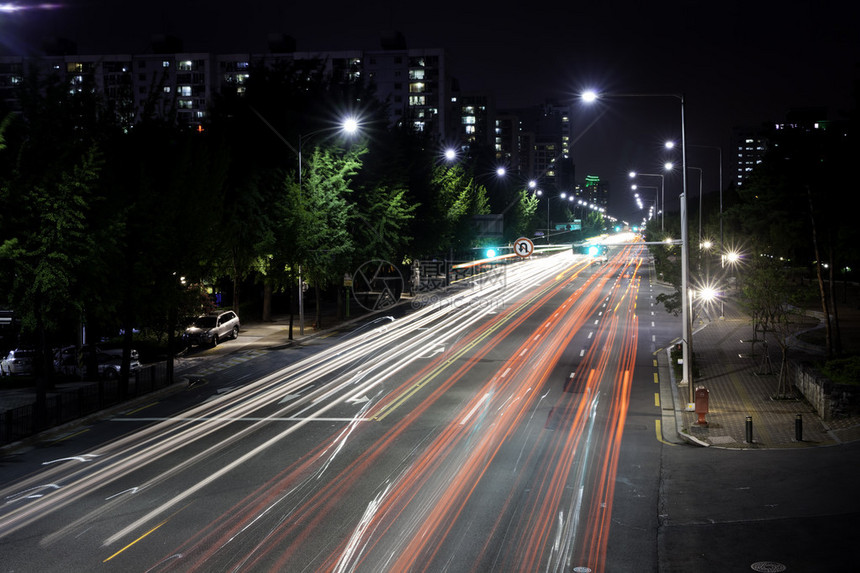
{"points": [[69, 362], [17, 362], [66, 352], [212, 328]]}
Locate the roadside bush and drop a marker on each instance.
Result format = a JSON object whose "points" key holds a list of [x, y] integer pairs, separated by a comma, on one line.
{"points": [[843, 370]]}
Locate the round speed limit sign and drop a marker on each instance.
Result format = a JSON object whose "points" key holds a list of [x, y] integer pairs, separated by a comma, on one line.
{"points": [[524, 247]]}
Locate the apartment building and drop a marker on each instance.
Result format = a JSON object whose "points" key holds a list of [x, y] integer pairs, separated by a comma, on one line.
{"points": [[175, 84]]}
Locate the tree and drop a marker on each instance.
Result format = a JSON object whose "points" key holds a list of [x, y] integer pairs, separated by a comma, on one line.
{"points": [[457, 198], [775, 305], [322, 218], [521, 218], [48, 179]]}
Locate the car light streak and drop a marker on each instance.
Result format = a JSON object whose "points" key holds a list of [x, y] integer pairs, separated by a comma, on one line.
{"points": [[562, 423], [187, 429], [380, 447]]}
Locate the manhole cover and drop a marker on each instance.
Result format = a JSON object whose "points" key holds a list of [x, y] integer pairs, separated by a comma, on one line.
{"points": [[767, 566]]}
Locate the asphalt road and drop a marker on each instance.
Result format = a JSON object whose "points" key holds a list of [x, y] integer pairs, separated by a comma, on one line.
{"points": [[512, 426]]}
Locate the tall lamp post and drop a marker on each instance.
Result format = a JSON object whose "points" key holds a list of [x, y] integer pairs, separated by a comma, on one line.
{"points": [[634, 174], [349, 125], [548, 200], [687, 334], [671, 144], [701, 176], [656, 189]]}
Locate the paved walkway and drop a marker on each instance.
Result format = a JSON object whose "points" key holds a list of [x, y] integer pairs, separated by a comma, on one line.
{"points": [[740, 391]]}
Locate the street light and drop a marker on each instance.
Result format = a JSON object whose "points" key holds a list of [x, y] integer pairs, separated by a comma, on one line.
{"points": [[548, 200], [654, 187], [701, 176], [634, 174], [687, 335], [348, 125], [671, 144]]}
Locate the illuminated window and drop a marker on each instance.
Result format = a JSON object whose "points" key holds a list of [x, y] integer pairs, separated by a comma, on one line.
{"points": [[184, 91], [416, 100], [416, 87], [185, 65], [165, 64], [469, 120], [416, 74]]}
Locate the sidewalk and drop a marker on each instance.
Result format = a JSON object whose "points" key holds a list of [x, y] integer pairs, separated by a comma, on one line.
{"points": [[731, 371], [255, 335]]}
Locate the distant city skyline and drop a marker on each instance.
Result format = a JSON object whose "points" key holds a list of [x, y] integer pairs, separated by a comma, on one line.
{"points": [[740, 65]]}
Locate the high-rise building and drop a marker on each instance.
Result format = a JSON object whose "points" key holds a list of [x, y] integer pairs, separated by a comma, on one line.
{"points": [[536, 143], [175, 84]]}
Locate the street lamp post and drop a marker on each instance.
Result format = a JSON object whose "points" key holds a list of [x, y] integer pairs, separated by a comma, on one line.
{"points": [[349, 125], [687, 334], [654, 187], [701, 176], [634, 174], [548, 200]]}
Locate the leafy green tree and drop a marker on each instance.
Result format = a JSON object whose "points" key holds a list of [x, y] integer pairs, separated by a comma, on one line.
{"points": [[521, 219], [457, 198], [381, 219], [775, 303], [323, 241], [48, 238], [167, 187]]}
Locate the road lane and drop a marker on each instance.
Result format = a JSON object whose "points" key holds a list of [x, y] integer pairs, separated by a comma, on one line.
{"points": [[465, 436]]}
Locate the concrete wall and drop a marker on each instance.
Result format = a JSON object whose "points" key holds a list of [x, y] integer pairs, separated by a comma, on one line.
{"points": [[830, 400]]}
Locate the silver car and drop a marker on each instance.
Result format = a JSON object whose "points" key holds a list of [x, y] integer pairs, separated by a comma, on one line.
{"points": [[213, 328], [18, 361], [69, 362]]}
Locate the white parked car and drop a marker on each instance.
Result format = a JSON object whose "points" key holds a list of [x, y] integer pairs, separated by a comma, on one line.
{"points": [[18, 361], [213, 328]]}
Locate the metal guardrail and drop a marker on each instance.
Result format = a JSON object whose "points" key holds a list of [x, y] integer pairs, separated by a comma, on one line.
{"points": [[72, 404]]}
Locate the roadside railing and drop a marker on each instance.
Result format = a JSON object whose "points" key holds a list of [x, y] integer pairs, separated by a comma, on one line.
{"points": [[63, 406]]}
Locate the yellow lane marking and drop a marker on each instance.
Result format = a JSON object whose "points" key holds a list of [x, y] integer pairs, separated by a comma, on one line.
{"points": [[145, 534], [64, 438], [136, 540], [141, 408], [660, 434], [657, 399]]}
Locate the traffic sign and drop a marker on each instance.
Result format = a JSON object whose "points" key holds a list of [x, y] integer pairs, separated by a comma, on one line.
{"points": [[524, 247]]}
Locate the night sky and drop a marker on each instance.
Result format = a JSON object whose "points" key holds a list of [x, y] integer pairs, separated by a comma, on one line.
{"points": [[739, 63]]}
